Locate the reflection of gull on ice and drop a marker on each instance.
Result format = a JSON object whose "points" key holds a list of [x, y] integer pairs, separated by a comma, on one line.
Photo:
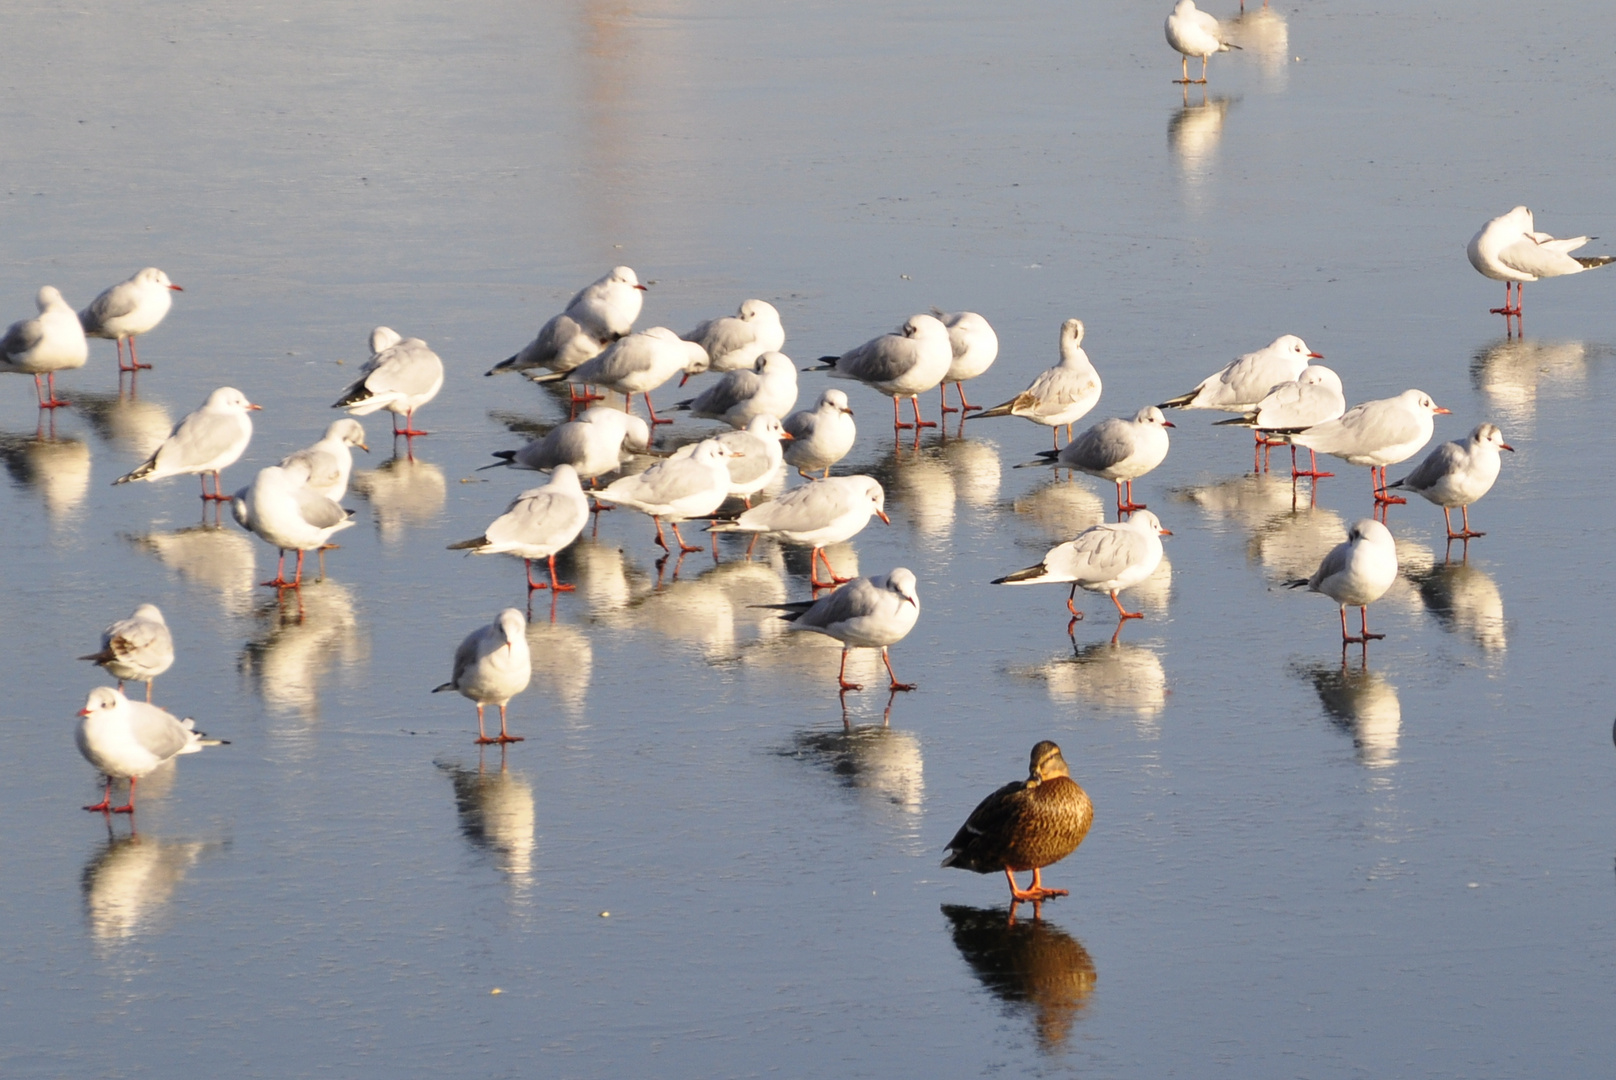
{"points": [[129, 881], [1464, 600], [59, 469], [977, 471], [563, 662], [708, 610], [878, 762], [1510, 372], [1033, 966], [132, 425], [606, 580], [921, 484], [214, 559], [1193, 133], [402, 491], [301, 643], [1364, 704], [1124, 678], [1291, 544], [496, 814], [1061, 508], [1262, 33]]}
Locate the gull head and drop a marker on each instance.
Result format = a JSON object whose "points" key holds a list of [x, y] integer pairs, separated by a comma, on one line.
{"points": [[924, 327], [49, 296], [229, 399], [902, 581], [348, 431], [623, 275], [103, 699], [150, 613], [753, 310], [153, 276], [1071, 335], [1489, 435], [835, 400], [566, 476], [513, 624], [383, 338], [1319, 375], [1294, 346], [1370, 531], [1150, 414], [1421, 400], [1146, 522]]}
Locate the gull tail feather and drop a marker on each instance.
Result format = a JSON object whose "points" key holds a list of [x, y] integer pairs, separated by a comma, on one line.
{"points": [[1024, 577]]}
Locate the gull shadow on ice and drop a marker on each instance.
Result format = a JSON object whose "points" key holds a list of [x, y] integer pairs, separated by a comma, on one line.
{"points": [[1036, 969], [129, 425], [1464, 600], [1361, 703]]}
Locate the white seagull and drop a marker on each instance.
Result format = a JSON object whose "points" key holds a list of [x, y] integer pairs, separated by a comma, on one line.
{"points": [[1194, 33], [536, 525], [561, 345], [608, 307], [401, 375], [52, 341], [208, 439], [1314, 397], [491, 666], [680, 488], [768, 388], [756, 459], [138, 648], [866, 613], [128, 739], [1356, 573], [1104, 558], [905, 363], [1249, 378], [1062, 395], [596, 443], [1117, 450], [281, 509], [330, 460], [975, 347], [637, 364], [821, 436], [734, 342], [820, 513], [1377, 434], [1458, 473], [1507, 249], [129, 309]]}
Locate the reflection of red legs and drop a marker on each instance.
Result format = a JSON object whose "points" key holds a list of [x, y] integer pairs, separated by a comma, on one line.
{"points": [[1036, 891], [554, 584], [841, 676], [1466, 533], [895, 685]]}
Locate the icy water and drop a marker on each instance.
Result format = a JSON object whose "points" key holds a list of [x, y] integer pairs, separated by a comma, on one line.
{"points": [[1397, 867]]}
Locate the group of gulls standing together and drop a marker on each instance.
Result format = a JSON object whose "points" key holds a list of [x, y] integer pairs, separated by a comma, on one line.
{"points": [[1279, 392]]}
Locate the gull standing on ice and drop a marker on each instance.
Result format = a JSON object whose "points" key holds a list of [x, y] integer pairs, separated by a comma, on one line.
{"points": [[330, 460], [536, 525], [768, 388], [211, 438], [1314, 397], [1105, 558], [1062, 395], [1508, 250], [1356, 573], [820, 513], [1458, 473], [608, 307], [491, 666], [1248, 379], [867, 613], [1194, 33], [596, 443], [756, 459], [128, 739], [734, 342], [52, 341], [677, 489], [596, 316], [1117, 450], [637, 364], [1377, 434], [975, 347], [905, 363], [138, 648], [561, 345], [401, 375], [821, 436], [281, 509], [129, 309]]}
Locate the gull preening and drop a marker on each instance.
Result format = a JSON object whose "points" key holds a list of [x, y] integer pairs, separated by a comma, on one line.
{"points": [[678, 489], [330, 460], [596, 443], [637, 364], [138, 648], [1356, 573], [608, 306], [128, 739], [561, 345], [128, 309], [1377, 434], [401, 375], [1104, 558], [821, 436], [1062, 395], [1118, 450], [491, 666], [1249, 378], [1508, 249], [1194, 33], [536, 525], [975, 347], [866, 613], [207, 440], [734, 342], [819, 513], [767, 388], [50, 342], [905, 363], [1313, 397], [281, 509], [1458, 473]]}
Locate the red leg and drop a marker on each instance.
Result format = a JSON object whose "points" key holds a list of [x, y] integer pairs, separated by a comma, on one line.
{"points": [[297, 578], [504, 736], [134, 360], [966, 406], [660, 539], [897, 417], [914, 403], [128, 807], [1380, 489], [684, 547], [556, 586], [1363, 623], [841, 676], [1076, 614], [279, 581], [106, 799], [1128, 506], [946, 408], [892, 675], [1125, 613], [482, 736], [50, 400], [119, 343], [409, 431], [813, 571], [655, 419]]}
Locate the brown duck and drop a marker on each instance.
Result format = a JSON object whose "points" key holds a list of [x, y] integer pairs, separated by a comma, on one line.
{"points": [[1026, 825]]}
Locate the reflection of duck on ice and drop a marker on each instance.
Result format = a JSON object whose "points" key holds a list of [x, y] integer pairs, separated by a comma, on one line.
{"points": [[1034, 967]]}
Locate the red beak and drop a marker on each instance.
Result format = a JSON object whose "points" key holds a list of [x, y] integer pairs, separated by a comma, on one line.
{"points": [[176, 288], [1440, 409], [1167, 532], [84, 712], [884, 517], [257, 408], [787, 435], [1506, 446], [642, 288], [1168, 423], [1315, 356]]}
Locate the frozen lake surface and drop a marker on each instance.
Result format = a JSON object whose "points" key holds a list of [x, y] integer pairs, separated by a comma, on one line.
{"points": [[1400, 867]]}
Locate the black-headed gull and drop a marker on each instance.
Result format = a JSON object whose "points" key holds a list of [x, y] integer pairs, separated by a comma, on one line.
{"points": [[1377, 434], [207, 440], [734, 342], [1194, 33], [905, 363], [975, 347], [538, 524], [401, 375], [330, 460], [281, 509], [561, 345], [1314, 397], [637, 364], [608, 307], [50, 342], [767, 388], [1104, 558], [129, 309], [491, 666], [1356, 573], [1249, 378], [867, 613], [138, 648], [757, 459], [596, 443], [1063, 394], [1508, 249], [819, 513], [1458, 473], [821, 436], [675, 490], [128, 739], [1117, 450]]}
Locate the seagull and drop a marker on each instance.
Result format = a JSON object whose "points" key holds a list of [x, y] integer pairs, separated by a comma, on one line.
{"points": [[281, 509], [677, 489], [1194, 33], [1117, 450], [1507, 249], [1458, 473], [757, 457], [608, 307], [768, 388], [820, 436], [129, 309], [637, 364], [52, 342], [1062, 395], [401, 375], [1104, 558], [1377, 434], [491, 666], [867, 612], [561, 345], [734, 342], [1026, 825], [138, 648], [208, 439], [975, 347], [536, 525], [330, 460], [126, 738], [596, 443], [1356, 573], [820, 513], [905, 363], [1246, 381], [1314, 397]]}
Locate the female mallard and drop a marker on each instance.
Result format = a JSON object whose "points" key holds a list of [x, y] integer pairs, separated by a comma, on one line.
{"points": [[1026, 825]]}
